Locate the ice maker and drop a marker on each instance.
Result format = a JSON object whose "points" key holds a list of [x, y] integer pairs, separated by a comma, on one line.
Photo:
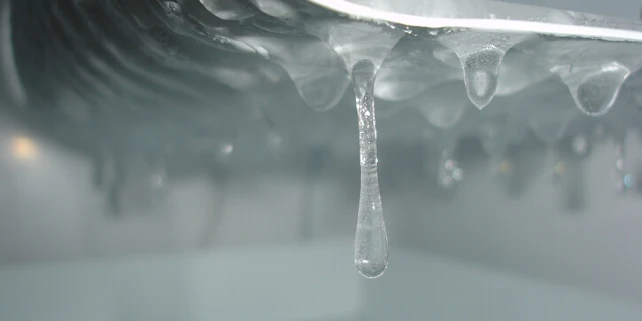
{"points": [[320, 160]]}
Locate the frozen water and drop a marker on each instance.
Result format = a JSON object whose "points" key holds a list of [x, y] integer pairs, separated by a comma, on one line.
{"points": [[363, 48], [517, 73], [371, 240], [316, 70], [593, 71], [594, 87], [481, 55], [355, 41], [410, 69], [480, 75]]}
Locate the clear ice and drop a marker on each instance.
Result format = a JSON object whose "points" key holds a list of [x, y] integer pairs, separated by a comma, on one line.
{"points": [[594, 72], [371, 240], [480, 55], [480, 75], [320, 84], [515, 75], [594, 87], [363, 48], [410, 70]]}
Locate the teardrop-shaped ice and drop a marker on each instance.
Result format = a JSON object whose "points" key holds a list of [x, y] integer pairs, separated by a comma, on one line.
{"points": [[597, 93], [480, 75], [363, 48], [480, 54], [371, 240], [594, 88]]}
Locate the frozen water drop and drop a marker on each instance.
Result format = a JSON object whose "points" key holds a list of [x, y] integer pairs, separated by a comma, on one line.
{"points": [[515, 75], [480, 54], [597, 94], [480, 75], [371, 240], [594, 88], [410, 70]]}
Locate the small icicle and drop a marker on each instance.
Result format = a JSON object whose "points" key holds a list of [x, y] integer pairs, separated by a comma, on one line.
{"points": [[371, 240], [480, 55], [480, 75], [594, 87]]}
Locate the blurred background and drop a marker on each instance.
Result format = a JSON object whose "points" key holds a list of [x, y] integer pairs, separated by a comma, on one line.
{"points": [[172, 180]]}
